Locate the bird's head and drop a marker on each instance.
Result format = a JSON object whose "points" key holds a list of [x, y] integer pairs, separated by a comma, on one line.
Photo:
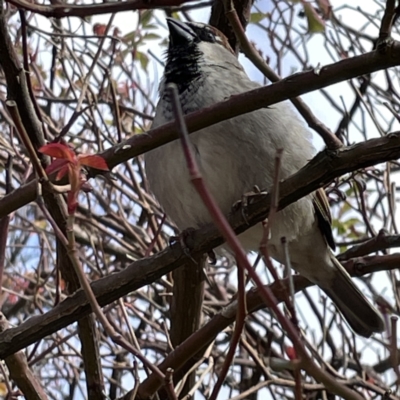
{"points": [[193, 49]]}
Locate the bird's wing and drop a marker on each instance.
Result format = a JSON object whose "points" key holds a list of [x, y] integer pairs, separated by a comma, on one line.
{"points": [[322, 209]]}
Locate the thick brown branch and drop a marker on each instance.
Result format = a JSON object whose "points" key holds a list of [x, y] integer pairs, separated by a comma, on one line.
{"points": [[198, 342], [220, 21], [379, 243], [20, 372], [321, 170], [289, 87], [72, 10], [292, 86]]}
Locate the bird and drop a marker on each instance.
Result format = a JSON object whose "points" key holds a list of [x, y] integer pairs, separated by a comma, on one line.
{"points": [[238, 154]]}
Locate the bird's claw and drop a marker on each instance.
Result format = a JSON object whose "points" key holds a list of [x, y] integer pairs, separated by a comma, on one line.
{"points": [[185, 239], [383, 44], [245, 201]]}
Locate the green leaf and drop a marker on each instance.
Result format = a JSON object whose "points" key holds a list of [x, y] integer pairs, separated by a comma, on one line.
{"points": [[146, 17], [151, 36], [315, 22], [175, 15], [164, 42], [257, 17], [129, 37], [143, 59], [151, 26]]}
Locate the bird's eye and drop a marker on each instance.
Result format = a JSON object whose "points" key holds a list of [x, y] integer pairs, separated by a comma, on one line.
{"points": [[203, 32], [207, 36]]}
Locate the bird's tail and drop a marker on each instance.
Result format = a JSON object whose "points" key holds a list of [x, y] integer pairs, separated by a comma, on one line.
{"points": [[361, 315]]}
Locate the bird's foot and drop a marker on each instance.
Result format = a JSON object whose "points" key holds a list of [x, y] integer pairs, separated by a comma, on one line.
{"points": [[244, 202], [383, 44], [186, 241]]}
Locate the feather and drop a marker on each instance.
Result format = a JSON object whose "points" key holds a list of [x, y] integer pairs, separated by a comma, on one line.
{"points": [[324, 217]]}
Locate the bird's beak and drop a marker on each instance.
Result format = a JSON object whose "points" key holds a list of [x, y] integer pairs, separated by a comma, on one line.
{"points": [[180, 33]]}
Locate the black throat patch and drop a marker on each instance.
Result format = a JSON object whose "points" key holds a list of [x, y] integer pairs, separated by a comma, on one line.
{"points": [[183, 67]]}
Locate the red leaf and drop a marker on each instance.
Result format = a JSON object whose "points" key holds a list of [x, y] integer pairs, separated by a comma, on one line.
{"points": [[94, 162], [58, 150], [62, 172], [99, 29], [67, 162], [291, 352], [56, 165]]}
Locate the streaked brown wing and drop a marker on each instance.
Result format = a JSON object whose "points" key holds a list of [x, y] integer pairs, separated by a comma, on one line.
{"points": [[322, 209]]}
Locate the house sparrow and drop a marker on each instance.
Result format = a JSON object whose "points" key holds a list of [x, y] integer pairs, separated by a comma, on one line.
{"points": [[238, 154]]}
